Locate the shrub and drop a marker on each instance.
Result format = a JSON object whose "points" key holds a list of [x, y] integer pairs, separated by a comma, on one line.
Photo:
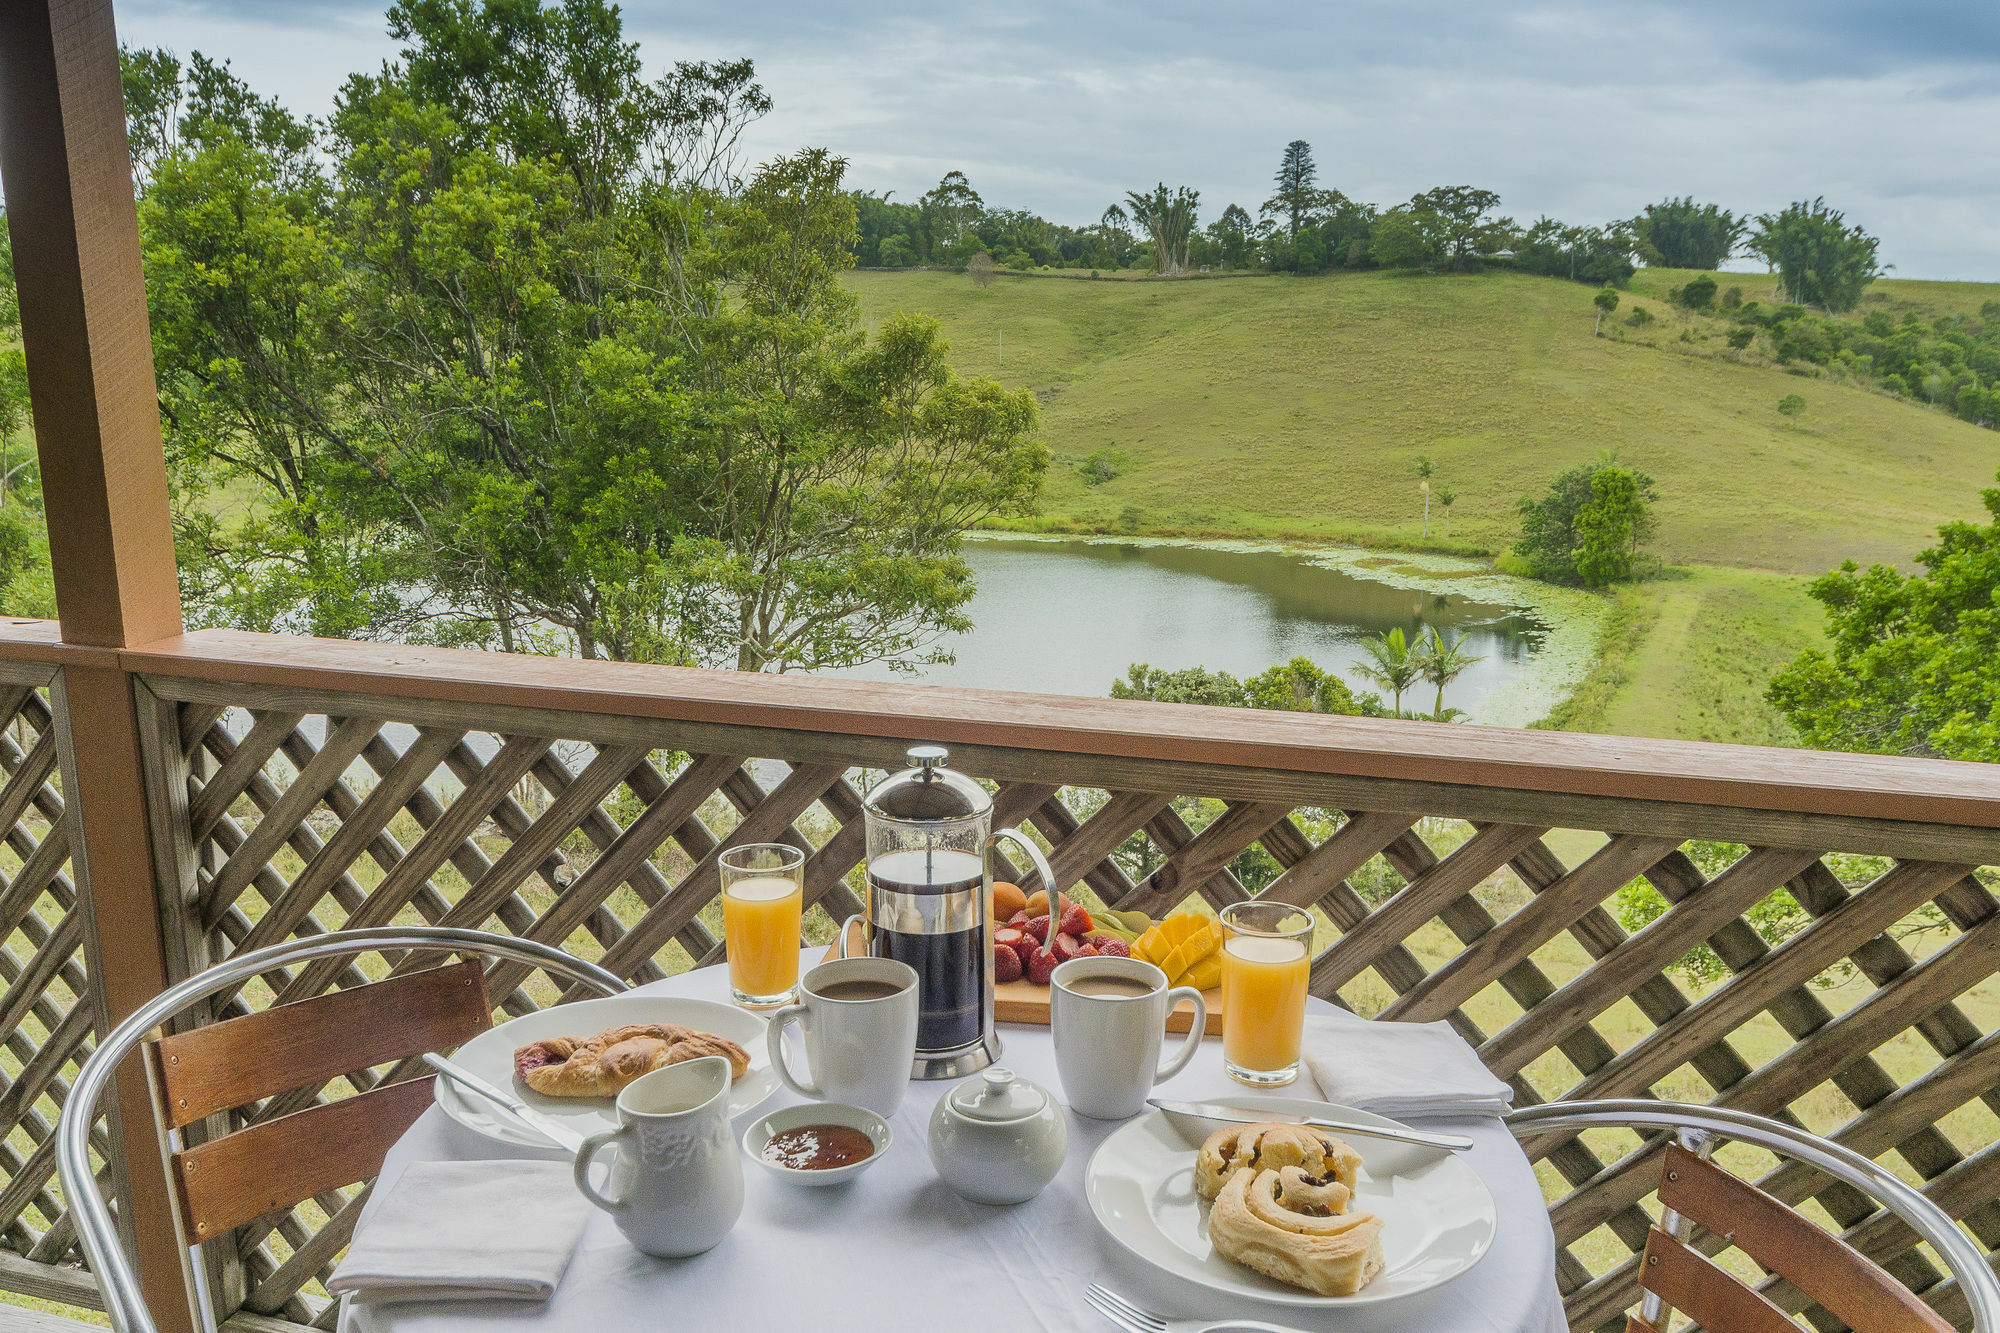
{"points": [[1791, 405], [1699, 294], [1640, 317], [1742, 336], [1732, 299], [1101, 466]]}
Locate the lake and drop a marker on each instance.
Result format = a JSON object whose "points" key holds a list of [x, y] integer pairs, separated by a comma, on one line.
{"points": [[1069, 617]]}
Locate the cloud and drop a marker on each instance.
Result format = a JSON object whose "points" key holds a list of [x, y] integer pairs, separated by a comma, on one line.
{"points": [[1584, 111]]}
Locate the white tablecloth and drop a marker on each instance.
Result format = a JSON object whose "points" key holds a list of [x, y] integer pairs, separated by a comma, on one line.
{"points": [[897, 1252]]}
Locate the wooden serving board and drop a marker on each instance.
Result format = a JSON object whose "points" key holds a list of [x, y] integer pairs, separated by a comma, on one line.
{"points": [[1024, 1002]]}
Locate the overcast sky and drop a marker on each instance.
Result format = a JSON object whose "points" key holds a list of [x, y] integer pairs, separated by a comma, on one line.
{"points": [[1586, 111]]}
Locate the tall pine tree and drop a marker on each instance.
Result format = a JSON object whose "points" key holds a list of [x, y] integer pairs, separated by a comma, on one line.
{"points": [[1296, 179]]}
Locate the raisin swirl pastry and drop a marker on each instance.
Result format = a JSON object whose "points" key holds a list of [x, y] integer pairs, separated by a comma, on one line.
{"points": [[1270, 1148], [603, 1064], [1289, 1226]]}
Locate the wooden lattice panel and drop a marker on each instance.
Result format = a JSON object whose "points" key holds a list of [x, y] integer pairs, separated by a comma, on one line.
{"points": [[45, 1013], [1554, 932]]}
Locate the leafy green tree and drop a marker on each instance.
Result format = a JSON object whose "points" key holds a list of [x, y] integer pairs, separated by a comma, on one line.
{"points": [[1606, 301], [1908, 667], [1169, 219], [1392, 663], [1550, 527], [1696, 294], [948, 213], [1679, 233], [1581, 254], [1114, 231], [1233, 235], [1297, 686], [1821, 261], [1608, 528], [1441, 661]]}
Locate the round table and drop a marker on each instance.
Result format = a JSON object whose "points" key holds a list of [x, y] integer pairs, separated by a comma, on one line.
{"points": [[896, 1250]]}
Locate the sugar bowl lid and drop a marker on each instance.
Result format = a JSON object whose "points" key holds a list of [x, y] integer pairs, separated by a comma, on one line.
{"points": [[927, 791], [995, 1096]]}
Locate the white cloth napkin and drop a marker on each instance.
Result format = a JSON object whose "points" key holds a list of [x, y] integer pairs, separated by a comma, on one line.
{"points": [[467, 1231], [1400, 1069]]}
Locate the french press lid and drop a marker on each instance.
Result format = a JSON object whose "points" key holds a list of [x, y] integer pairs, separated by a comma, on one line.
{"points": [[927, 791]]}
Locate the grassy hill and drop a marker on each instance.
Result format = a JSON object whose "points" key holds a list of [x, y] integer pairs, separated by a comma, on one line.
{"points": [[1294, 407]]}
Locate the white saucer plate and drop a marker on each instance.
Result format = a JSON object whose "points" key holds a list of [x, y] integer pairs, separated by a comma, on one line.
{"points": [[491, 1056], [1437, 1215]]}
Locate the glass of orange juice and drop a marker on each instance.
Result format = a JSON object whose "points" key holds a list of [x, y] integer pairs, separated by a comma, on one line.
{"points": [[761, 899], [1266, 963]]}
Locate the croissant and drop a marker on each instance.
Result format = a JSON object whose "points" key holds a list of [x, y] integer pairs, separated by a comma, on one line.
{"points": [[1277, 1222], [1270, 1147], [602, 1065]]}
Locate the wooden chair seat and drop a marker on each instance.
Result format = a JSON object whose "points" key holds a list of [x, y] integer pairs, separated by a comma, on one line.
{"points": [[1851, 1286], [230, 1179]]}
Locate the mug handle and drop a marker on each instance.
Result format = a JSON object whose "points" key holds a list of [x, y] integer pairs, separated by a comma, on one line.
{"points": [[585, 1155], [1196, 1030], [774, 1036], [845, 926]]}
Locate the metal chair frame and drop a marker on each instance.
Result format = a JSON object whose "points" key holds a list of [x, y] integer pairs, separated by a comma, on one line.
{"points": [[96, 1230], [1698, 1128]]}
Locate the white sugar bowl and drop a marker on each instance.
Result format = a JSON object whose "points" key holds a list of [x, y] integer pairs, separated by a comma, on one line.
{"points": [[996, 1138]]}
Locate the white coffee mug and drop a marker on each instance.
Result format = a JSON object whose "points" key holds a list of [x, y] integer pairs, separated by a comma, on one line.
{"points": [[858, 1049], [676, 1187], [1108, 1045]]}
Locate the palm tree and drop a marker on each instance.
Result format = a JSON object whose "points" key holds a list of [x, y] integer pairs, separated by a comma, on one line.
{"points": [[1170, 220], [1392, 664], [1445, 499], [1442, 661], [1425, 470]]}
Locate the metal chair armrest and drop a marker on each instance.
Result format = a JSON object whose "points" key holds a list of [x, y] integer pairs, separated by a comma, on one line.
{"points": [[1966, 1261], [95, 1229]]}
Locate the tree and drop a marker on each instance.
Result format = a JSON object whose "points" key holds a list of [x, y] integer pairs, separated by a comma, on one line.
{"points": [[1233, 234], [1792, 406], [1441, 661], [1425, 470], [1608, 528], [1697, 294], [1606, 301], [1550, 527], [1678, 233], [1170, 219], [1295, 197], [1581, 254], [1392, 664], [982, 270], [1820, 260], [1297, 686], [948, 212], [1446, 499], [1115, 229], [1908, 667]]}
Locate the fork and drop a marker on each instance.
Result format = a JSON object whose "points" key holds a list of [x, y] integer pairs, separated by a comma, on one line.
{"points": [[1135, 1320]]}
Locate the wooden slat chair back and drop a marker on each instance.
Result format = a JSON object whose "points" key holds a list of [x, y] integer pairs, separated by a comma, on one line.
{"points": [[229, 1180], [1846, 1282]]}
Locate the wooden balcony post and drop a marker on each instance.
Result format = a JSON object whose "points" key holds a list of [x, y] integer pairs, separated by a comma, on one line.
{"points": [[67, 171]]}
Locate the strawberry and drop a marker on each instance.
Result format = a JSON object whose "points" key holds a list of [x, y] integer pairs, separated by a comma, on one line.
{"points": [[1009, 936], [1026, 948], [1018, 919], [1087, 950], [1038, 926], [1068, 947], [1075, 921], [1006, 964], [1113, 948], [1041, 967]]}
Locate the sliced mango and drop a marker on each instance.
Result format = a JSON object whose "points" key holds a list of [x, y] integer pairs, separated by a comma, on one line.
{"points": [[1204, 975], [1183, 941]]}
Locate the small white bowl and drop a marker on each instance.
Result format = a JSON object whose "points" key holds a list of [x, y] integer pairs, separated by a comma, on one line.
{"points": [[767, 1127]]}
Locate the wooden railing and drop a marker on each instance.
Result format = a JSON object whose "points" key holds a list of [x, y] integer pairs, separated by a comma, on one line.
{"points": [[1797, 934]]}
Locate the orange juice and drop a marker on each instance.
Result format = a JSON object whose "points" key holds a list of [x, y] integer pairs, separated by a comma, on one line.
{"points": [[760, 921], [1263, 1006]]}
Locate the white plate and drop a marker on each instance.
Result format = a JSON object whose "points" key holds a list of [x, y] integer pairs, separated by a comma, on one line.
{"points": [[1437, 1215], [491, 1055]]}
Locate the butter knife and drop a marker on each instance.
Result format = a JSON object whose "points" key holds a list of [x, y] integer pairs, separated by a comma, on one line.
{"points": [[1197, 1120], [567, 1140]]}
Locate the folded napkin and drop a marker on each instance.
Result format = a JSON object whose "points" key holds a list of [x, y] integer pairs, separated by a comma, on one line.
{"points": [[467, 1231], [1400, 1070]]}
